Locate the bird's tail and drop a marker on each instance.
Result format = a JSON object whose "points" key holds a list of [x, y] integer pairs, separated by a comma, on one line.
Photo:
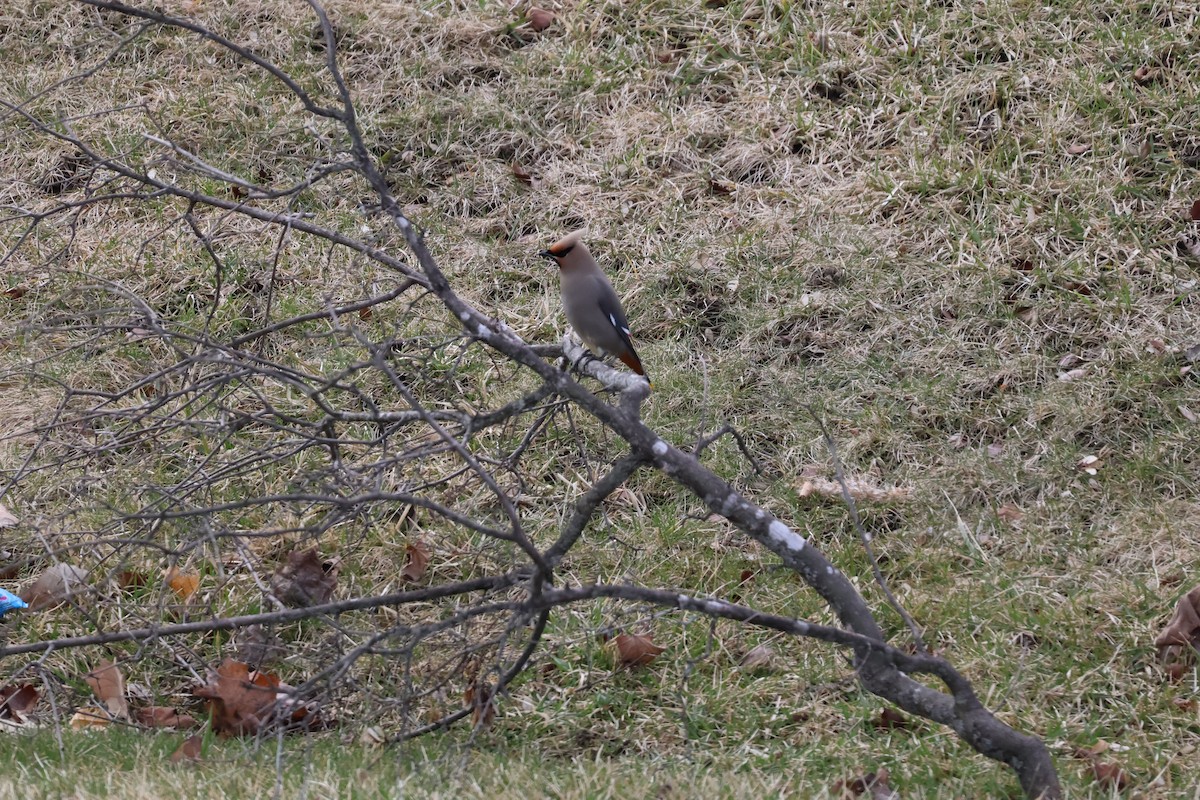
{"points": [[631, 360]]}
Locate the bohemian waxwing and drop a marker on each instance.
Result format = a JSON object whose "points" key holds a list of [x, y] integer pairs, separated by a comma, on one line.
{"points": [[592, 307]]}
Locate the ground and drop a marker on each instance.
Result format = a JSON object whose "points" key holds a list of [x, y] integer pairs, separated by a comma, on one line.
{"points": [[960, 233]]}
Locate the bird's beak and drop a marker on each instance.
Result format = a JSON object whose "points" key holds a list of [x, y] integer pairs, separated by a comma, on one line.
{"points": [[547, 254]]}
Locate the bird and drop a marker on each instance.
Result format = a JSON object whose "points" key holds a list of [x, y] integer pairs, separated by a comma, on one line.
{"points": [[591, 303]]}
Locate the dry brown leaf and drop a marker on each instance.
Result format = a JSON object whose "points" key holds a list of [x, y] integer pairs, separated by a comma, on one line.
{"points": [[416, 561], [860, 490], [1010, 513], [372, 737], [1145, 75], [891, 719], [1072, 375], [1195, 211], [239, 700], [164, 717], [305, 579], [521, 174], [873, 784], [7, 518], [183, 584], [1110, 774], [634, 650], [108, 684], [89, 717], [16, 701], [759, 658], [1186, 704], [1183, 629], [540, 18], [54, 585], [481, 698], [189, 750], [244, 701], [1078, 149], [132, 579]]}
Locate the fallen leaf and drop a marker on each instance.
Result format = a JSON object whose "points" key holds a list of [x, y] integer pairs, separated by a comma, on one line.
{"points": [[132, 579], [89, 717], [108, 684], [305, 579], [372, 737], [1184, 703], [995, 449], [521, 174], [1110, 774], [54, 585], [1145, 75], [189, 750], [540, 18], [481, 698], [1188, 414], [1072, 375], [1183, 629], [634, 650], [164, 717], [239, 700], [245, 702], [1195, 211], [1069, 361], [1027, 640], [759, 658], [1010, 513], [7, 519], [183, 584], [1176, 671], [873, 784], [860, 489], [1078, 149], [891, 719], [15, 701], [416, 561], [721, 186], [16, 292]]}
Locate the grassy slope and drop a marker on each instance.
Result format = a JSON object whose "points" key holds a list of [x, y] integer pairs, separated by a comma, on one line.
{"points": [[907, 216]]}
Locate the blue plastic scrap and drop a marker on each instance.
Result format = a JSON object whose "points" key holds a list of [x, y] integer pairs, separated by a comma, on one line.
{"points": [[9, 602]]}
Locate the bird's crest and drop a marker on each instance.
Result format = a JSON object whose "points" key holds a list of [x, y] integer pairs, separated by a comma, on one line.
{"points": [[566, 244]]}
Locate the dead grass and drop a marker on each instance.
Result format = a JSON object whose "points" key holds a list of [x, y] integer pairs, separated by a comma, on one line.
{"points": [[917, 218]]}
